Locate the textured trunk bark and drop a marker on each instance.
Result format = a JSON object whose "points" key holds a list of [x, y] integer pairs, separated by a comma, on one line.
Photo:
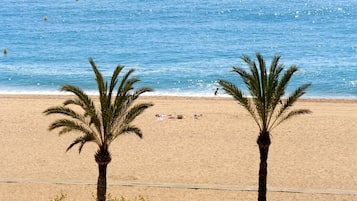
{"points": [[103, 158], [102, 182], [264, 143]]}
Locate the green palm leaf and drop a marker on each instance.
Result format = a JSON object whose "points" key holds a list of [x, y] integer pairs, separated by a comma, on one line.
{"points": [[100, 125], [114, 79], [128, 129], [237, 94], [290, 115], [136, 111], [82, 141], [266, 91], [65, 111]]}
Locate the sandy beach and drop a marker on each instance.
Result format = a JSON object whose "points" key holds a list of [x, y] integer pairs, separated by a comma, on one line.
{"points": [[210, 154]]}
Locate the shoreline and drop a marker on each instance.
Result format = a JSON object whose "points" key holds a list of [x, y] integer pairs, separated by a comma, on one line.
{"points": [[165, 97]]}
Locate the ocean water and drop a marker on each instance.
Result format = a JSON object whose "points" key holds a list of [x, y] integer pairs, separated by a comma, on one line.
{"points": [[178, 47]]}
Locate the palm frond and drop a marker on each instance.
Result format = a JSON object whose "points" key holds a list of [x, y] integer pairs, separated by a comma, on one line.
{"points": [[128, 114], [120, 105], [276, 93], [129, 85], [273, 80], [126, 130], [297, 94], [72, 102], [65, 130], [274, 65], [136, 111], [266, 90], [71, 124], [82, 140], [100, 124], [283, 83], [263, 76], [293, 98], [288, 103], [133, 129], [290, 115], [85, 102], [237, 94], [124, 82], [114, 79], [82, 99], [65, 111], [99, 78], [142, 90], [88, 111], [123, 97], [76, 141], [249, 80], [253, 68], [273, 98], [103, 96]]}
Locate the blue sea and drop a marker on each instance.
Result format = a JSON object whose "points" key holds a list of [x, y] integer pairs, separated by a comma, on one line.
{"points": [[178, 47]]}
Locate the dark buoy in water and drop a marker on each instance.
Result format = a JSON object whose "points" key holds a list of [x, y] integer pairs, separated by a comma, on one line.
{"points": [[5, 51], [45, 18]]}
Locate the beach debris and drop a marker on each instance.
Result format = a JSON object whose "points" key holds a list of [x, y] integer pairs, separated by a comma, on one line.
{"points": [[161, 117], [197, 116]]}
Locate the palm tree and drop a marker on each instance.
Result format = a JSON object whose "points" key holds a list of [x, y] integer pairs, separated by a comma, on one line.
{"points": [[101, 125], [265, 104]]}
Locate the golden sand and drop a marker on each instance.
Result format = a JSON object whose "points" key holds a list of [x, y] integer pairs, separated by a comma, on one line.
{"points": [[210, 154]]}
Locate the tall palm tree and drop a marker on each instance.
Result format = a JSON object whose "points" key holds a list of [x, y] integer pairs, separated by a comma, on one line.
{"points": [[265, 104], [101, 125]]}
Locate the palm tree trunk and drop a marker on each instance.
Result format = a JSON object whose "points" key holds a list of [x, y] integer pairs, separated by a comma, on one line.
{"points": [[264, 143], [102, 182]]}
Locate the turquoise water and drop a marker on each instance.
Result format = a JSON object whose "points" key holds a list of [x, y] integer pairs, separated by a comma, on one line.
{"points": [[178, 47]]}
